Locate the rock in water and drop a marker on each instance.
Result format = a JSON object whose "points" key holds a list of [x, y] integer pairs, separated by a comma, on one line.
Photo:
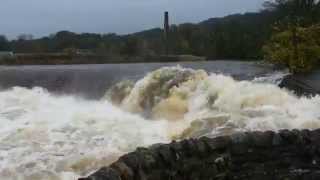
{"points": [[302, 84]]}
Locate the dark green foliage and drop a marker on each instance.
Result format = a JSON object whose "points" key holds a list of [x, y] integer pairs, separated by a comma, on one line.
{"points": [[304, 12], [297, 48]]}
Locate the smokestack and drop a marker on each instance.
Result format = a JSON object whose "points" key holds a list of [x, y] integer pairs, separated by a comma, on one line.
{"points": [[166, 31]]}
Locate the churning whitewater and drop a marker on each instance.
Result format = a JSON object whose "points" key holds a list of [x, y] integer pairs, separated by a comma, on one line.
{"points": [[44, 136]]}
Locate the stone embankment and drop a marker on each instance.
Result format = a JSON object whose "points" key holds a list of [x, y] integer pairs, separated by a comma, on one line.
{"points": [[287, 155]]}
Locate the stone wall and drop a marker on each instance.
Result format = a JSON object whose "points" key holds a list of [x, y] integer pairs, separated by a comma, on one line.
{"points": [[287, 155]]}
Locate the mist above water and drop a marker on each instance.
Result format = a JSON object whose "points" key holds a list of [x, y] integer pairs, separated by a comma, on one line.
{"points": [[46, 136]]}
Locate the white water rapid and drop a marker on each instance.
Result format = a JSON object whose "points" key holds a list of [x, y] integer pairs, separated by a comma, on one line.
{"points": [[43, 136]]}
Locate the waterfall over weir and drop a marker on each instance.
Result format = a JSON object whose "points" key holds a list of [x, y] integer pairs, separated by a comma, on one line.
{"points": [[61, 137]]}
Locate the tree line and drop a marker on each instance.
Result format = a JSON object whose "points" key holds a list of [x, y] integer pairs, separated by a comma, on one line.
{"points": [[239, 36]]}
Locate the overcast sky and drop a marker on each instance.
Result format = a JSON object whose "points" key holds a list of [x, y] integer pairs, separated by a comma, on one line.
{"points": [[43, 17]]}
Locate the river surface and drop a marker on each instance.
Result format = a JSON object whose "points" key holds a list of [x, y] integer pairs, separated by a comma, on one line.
{"points": [[64, 122], [91, 81]]}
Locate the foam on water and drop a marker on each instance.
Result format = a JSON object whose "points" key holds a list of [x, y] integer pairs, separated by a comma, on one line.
{"points": [[272, 78], [249, 106], [48, 137], [63, 137]]}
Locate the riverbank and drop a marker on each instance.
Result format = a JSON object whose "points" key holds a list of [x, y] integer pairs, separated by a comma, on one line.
{"points": [[67, 59], [253, 155]]}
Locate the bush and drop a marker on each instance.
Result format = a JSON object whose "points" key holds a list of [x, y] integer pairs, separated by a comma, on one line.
{"points": [[297, 48]]}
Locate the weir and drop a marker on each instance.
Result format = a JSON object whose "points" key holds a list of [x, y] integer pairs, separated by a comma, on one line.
{"points": [[252, 155], [68, 137]]}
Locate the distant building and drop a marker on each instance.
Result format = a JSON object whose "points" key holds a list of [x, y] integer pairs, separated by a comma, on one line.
{"points": [[4, 54]]}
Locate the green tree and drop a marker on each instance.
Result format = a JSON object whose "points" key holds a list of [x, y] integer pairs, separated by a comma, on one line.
{"points": [[295, 43], [298, 48]]}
